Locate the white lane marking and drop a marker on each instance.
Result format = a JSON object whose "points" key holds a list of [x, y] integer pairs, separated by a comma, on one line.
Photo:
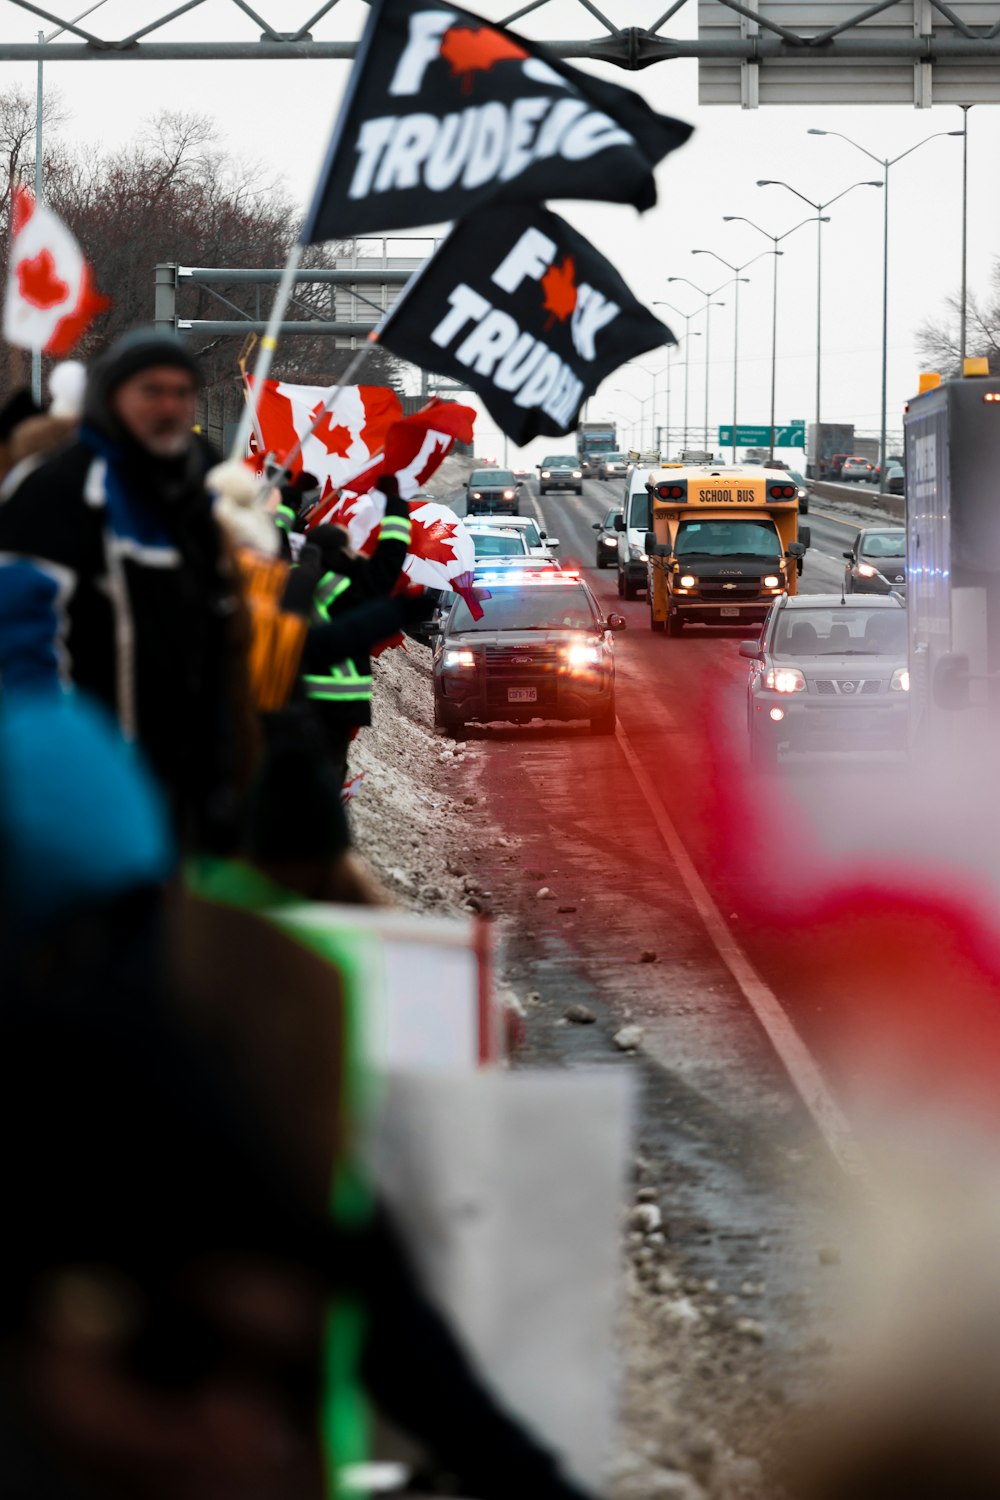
{"points": [[803, 1071]]}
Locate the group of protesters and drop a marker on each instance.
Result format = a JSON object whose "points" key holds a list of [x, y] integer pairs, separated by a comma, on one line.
{"points": [[202, 1294]]}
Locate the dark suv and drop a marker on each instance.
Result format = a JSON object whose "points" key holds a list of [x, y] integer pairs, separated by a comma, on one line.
{"points": [[540, 647], [560, 471], [491, 490]]}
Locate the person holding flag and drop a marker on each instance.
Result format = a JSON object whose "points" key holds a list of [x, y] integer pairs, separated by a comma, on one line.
{"points": [[342, 694]]}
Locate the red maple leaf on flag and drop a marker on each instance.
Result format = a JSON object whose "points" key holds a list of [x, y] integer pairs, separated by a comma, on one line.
{"points": [[432, 541], [560, 291], [71, 328], [335, 439], [469, 51], [38, 283]]}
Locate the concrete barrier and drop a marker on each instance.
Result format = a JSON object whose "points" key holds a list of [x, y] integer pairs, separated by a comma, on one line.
{"points": [[859, 498]]}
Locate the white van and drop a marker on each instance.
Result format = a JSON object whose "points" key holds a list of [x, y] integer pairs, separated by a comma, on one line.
{"points": [[632, 525]]}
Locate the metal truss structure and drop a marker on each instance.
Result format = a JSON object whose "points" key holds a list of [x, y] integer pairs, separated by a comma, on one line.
{"points": [[750, 51]]}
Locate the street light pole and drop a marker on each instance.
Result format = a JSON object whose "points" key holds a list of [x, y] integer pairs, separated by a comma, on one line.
{"points": [[965, 229], [820, 221], [775, 241], [709, 304], [686, 335], [887, 163], [736, 321]]}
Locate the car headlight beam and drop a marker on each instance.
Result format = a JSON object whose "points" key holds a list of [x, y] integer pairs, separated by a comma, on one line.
{"points": [[687, 581], [581, 655], [900, 680], [784, 680], [459, 657]]}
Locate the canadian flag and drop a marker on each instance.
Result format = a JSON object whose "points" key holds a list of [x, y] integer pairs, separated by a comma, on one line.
{"points": [[346, 437], [51, 298], [441, 553]]}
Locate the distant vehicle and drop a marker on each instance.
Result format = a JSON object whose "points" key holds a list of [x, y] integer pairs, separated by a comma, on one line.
{"points": [[876, 564], [825, 444], [522, 473], [828, 675], [607, 538], [543, 649], [560, 471], [491, 489], [857, 471], [835, 465], [632, 525], [803, 486], [593, 441], [491, 541], [895, 480], [610, 465], [538, 542]]}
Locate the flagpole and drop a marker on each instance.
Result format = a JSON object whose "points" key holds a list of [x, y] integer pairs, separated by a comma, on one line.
{"points": [[268, 344]]}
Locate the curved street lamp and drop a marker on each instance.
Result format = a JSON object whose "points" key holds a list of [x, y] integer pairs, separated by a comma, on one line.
{"points": [[736, 320], [820, 221], [886, 163], [775, 241]]}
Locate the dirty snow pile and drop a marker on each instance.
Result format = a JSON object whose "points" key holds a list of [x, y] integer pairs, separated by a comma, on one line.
{"points": [[417, 810]]}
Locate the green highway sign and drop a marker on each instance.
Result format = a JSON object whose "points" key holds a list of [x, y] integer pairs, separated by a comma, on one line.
{"points": [[792, 436]]}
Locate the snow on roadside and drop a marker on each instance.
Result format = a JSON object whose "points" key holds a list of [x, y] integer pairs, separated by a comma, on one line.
{"points": [[420, 806]]}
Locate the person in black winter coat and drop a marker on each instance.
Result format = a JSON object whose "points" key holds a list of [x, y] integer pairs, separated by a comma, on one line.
{"points": [[115, 578], [342, 692]]}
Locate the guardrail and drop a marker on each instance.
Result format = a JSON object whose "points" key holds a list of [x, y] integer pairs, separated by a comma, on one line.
{"points": [[860, 497]]}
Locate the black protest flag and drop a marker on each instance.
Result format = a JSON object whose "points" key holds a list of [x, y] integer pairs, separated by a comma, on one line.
{"points": [[444, 113], [523, 310]]}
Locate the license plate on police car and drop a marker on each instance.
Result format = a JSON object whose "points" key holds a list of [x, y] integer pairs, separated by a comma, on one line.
{"points": [[522, 695], [730, 612]]}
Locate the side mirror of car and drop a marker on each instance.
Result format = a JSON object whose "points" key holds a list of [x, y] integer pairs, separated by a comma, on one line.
{"points": [[617, 622], [619, 522], [596, 525], [849, 556], [751, 650]]}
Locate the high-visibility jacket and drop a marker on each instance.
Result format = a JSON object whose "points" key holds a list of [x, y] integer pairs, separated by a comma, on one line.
{"points": [[343, 693]]}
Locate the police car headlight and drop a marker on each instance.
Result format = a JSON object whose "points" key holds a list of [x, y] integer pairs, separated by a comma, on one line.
{"points": [[900, 680], [688, 581], [459, 658], [583, 656]]}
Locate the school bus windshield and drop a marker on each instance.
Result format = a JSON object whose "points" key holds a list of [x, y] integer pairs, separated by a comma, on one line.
{"points": [[722, 537]]}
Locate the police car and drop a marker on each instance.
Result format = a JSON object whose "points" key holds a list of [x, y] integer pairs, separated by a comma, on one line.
{"points": [[531, 644]]}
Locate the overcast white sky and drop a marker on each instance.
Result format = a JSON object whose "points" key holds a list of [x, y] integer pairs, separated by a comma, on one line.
{"points": [[280, 114]]}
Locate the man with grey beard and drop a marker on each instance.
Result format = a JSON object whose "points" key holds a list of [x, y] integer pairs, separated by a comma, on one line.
{"points": [[113, 577]]}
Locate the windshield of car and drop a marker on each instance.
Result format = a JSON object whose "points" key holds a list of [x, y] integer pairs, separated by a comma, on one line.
{"points": [[492, 477], [494, 544], [841, 631], [797, 478], [531, 534], [608, 523], [726, 538], [877, 544], [600, 445], [559, 461], [538, 607], [615, 458], [638, 511]]}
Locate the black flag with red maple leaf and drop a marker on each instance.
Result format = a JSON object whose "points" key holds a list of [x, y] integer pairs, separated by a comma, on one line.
{"points": [[520, 308], [445, 112]]}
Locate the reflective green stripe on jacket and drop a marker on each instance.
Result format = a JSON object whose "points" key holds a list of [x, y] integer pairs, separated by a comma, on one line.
{"points": [[396, 529], [343, 684], [329, 588]]}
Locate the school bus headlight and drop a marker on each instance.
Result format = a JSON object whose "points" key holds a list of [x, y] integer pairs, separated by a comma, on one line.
{"points": [[687, 581], [784, 680], [900, 680], [771, 582]]}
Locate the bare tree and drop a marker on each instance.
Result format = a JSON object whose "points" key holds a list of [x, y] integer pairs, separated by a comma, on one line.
{"points": [[939, 345]]}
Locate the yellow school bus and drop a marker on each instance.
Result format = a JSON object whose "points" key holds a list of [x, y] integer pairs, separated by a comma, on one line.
{"points": [[724, 543]]}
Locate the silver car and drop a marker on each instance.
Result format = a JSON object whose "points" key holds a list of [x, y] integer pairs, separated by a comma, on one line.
{"points": [[876, 563], [828, 673]]}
